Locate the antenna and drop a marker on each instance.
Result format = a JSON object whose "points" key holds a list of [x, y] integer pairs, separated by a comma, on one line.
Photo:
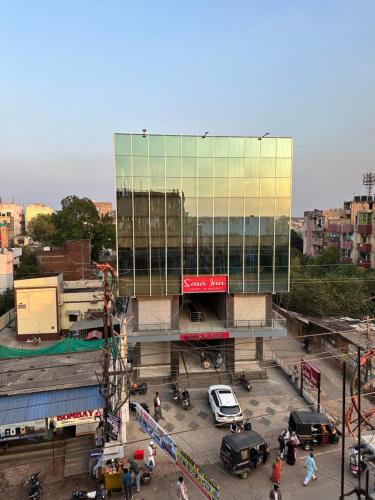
{"points": [[368, 181]]}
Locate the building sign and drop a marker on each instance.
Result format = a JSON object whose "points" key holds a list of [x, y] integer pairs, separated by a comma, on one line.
{"points": [[310, 373], [156, 433], [76, 418], [205, 336], [204, 484], [198, 284], [23, 430], [113, 423], [191, 470]]}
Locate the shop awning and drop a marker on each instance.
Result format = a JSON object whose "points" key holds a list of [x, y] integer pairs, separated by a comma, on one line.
{"points": [[90, 324], [27, 407]]}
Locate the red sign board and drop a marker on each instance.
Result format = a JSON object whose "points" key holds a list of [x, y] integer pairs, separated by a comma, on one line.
{"points": [[198, 284], [205, 336], [310, 373]]}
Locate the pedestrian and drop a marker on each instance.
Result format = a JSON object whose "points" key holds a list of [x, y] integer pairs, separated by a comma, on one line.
{"points": [[182, 491], [311, 468], [150, 459], [283, 439], [295, 374], [99, 435], [292, 445], [276, 470], [133, 467], [127, 481], [157, 407], [275, 493]]}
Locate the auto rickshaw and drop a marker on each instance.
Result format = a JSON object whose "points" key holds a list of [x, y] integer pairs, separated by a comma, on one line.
{"points": [[312, 428], [242, 452]]}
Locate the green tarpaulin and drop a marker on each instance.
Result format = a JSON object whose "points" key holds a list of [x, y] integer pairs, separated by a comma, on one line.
{"points": [[65, 346]]}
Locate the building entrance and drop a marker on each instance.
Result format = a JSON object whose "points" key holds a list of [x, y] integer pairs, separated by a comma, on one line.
{"points": [[205, 355]]}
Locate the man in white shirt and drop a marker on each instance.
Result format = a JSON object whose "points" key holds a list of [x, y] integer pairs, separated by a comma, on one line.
{"points": [[150, 459], [182, 492]]}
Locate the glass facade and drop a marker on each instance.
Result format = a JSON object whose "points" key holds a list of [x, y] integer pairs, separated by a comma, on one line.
{"points": [[189, 205]]}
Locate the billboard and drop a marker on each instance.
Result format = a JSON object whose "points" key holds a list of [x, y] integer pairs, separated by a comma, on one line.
{"points": [[310, 373], [113, 425], [199, 284], [204, 336], [76, 418]]}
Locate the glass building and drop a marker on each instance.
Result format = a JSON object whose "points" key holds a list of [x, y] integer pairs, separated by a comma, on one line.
{"points": [[188, 205]]}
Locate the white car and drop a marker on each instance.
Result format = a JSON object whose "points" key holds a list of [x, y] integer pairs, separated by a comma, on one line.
{"points": [[224, 404]]}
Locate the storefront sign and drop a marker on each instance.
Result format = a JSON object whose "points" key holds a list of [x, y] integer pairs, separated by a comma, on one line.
{"points": [[113, 422], [310, 373], [76, 418], [198, 284], [205, 336], [156, 433], [204, 484], [23, 430]]}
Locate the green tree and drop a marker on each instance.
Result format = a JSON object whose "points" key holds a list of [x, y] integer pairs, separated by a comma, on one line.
{"points": [[6, 301], [296, 241], [42, 229], [29, 266]]}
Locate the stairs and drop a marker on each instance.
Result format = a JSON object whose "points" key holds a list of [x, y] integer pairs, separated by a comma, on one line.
{"points": [[204, 379], [77, 451]]}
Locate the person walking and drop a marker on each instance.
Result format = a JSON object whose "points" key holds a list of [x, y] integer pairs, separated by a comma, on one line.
{"points": [[127, 481], [292, 445], [283, 439], [311, 468], [276, 470], [275, 493], [157, 407], [133, 467], [150, 459], [182, 491]]}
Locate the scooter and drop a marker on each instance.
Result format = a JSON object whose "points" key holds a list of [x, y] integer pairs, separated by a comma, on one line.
{"points": [[185, 398], [355, 468], [138, 388], [176, 393], [78, 494], [35, 486], [245, 382]]}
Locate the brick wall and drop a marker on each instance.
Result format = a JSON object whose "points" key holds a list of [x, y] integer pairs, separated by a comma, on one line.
{"points": [[72, 259]]}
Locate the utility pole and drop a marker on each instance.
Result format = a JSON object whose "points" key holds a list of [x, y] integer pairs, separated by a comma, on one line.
{"points": [[124, 386]]}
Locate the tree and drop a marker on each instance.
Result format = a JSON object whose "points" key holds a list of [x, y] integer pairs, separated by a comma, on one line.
{"points": [[41, 229], [6, 301], [29, 266], [296, 241]]}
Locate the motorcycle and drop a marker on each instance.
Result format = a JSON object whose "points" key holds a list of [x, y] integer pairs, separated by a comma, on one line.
{"points": [[185, 399], [35, 486], [138, 389], [355, 468], [78, 494], [176, 393], [245, 382]]}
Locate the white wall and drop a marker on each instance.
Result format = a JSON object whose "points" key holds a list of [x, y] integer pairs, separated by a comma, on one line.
{"points": [[154, 310], [249, 307], [155, 353]]}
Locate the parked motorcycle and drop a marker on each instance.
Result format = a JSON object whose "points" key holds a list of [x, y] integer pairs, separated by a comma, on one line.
{"points": [[35, 486], [176, 393], [355, 468], [138, 388], [185, 399], [245, 382], [100, 494]]}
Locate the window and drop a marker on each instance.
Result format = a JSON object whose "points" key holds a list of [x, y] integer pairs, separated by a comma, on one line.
{"points": [[73, 317]]}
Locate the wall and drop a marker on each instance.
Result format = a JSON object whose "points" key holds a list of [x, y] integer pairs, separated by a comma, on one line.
{"points": [[78, 299], [244, 349], [154, 310], [6, 270], [72, 259], [249, 307], [33, 210], [15, 217], [37, 311], [155, 353], [6, 318]]}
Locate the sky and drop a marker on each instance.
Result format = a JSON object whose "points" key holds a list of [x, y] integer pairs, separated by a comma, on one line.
{"points": [[74, 72]]}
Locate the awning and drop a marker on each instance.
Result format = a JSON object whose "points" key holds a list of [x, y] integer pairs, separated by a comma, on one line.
{"points": [[90, 324], [94, 334], [76, 312], [27, 407]]}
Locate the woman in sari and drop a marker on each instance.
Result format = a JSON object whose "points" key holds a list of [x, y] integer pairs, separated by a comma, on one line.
{"points": [[276, 470]]}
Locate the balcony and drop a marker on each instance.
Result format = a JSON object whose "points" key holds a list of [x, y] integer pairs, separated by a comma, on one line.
{"points": [[275, 327], [318, 242], [364, 228], [363, 263], [333, 228], [346, 260], [346, 228], [333, 243], [317, 229], [346, 244], [364, 247]]}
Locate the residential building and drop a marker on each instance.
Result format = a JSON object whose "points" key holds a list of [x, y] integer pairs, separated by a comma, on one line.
{"points": [[350, 229], [34, 209], [103, 207], [48, 306], [4, 239], [73, 259], [203, 242], [6, 269], [12, 215]]}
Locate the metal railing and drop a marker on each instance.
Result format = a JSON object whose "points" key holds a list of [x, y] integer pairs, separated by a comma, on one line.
{"points": [[206, 327]]}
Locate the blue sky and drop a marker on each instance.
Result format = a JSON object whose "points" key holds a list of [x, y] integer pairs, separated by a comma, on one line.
{"points": [[74, 72]]}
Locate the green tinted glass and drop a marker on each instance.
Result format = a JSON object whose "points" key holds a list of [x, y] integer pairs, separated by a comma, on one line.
{"points": [[205, 147], [189, 167], [268, 147], [252, 187], [156, 145], [221, 167], [221, 187], [283, 167], [140, 145], [140, 166], [189, 146], [173, 167], [267, 187], [221, 147], [205, 186], [157, 166], [189, 186], [173, 145], [252, 167], [205, 167], [282, 186], [237, 147], [123, 165], [284, 147], [122, 144], [252, 147]]}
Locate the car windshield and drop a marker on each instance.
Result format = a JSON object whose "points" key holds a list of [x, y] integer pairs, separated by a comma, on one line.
{"points": [[229, 410]]}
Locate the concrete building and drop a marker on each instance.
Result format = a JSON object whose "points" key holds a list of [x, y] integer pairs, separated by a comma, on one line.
{"points": [[49, 306], [203, 243], [350, 229], [4, 238], [103, 207], [12, 215], [34, 209], [73, 259], [6, 269]]}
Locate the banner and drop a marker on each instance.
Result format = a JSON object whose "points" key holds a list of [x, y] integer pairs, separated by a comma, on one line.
{"points": [[204, 336], [192, 471], [310, 373], [156, 433], [75, 418], [207, 486], [113, 425], [198, 284]]}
